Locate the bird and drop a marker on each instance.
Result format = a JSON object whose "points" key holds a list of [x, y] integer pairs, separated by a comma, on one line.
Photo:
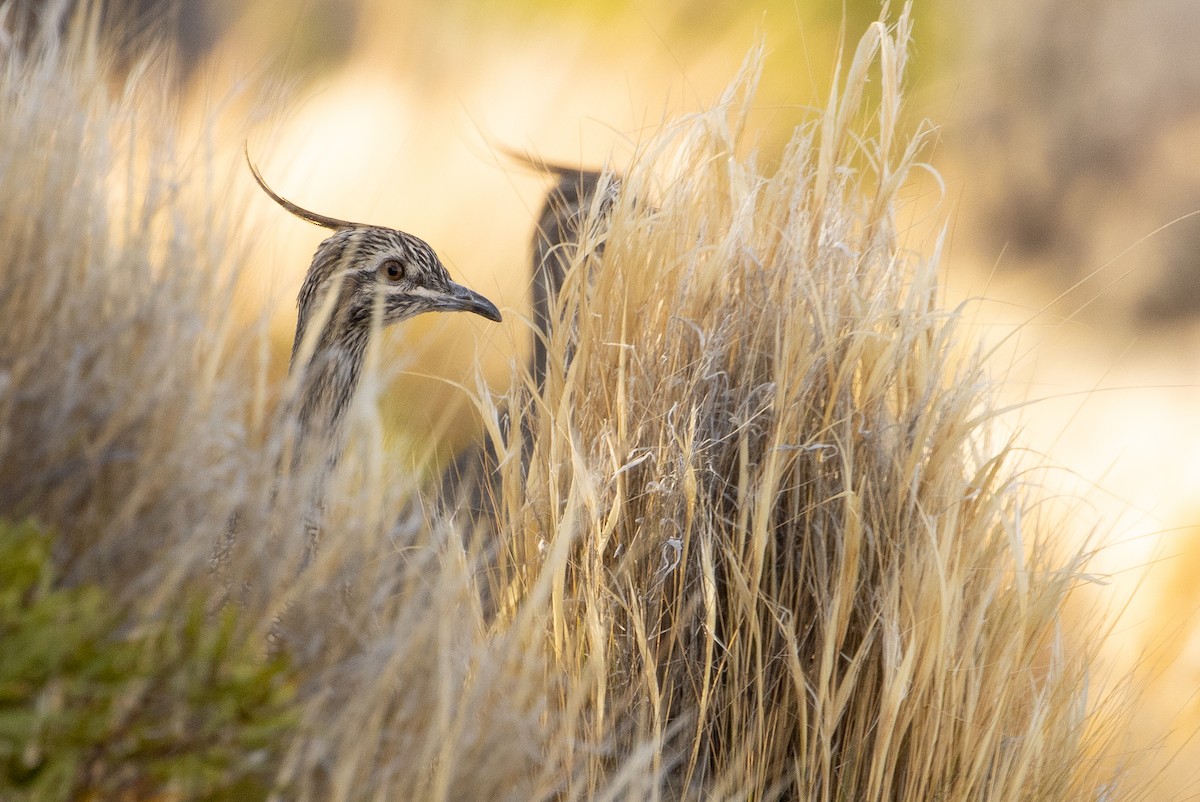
{"points": [[556, 238], [578, 196], [362, 278]]}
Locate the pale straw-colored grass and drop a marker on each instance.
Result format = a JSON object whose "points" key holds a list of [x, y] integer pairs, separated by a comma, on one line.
{"points": [[766, 545]]}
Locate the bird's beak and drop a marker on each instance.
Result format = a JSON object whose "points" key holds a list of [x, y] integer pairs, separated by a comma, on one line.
{"points": [[462, 299]]}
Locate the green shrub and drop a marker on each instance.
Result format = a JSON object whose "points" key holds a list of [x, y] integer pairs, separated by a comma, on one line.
{"points": [[94, 706]]}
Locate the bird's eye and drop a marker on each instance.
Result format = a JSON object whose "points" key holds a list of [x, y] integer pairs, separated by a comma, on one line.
{"points": [[392, 270]]}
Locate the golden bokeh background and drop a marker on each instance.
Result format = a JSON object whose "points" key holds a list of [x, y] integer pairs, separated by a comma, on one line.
{"points": [[1068, 182]]}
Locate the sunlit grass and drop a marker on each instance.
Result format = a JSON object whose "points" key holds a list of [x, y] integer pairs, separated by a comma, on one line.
{"points": [[767, 544]]}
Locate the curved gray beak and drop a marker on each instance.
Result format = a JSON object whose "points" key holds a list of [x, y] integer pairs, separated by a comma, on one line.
{"points": [[462, 299]]}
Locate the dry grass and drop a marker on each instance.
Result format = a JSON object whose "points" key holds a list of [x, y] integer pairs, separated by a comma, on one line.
{"points": [[766, 546]]}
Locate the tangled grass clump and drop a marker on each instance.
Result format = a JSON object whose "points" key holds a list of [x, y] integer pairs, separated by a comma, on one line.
{"points": [[776, 546]]}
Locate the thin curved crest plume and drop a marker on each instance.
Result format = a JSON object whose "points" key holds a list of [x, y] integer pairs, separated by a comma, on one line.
{"points": [[295, 209]]}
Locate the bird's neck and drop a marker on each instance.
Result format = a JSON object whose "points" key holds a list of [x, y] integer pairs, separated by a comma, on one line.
{"points": [[328, 380]]}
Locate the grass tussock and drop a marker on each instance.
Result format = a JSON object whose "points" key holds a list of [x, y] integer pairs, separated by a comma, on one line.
{"points": [[763, 545], [765, 513]]}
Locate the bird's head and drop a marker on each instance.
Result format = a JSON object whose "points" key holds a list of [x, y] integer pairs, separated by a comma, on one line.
{"points": [[372, 267]]}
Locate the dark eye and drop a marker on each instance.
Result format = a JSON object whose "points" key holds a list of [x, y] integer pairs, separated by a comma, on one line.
{"points": [[392, 270]]}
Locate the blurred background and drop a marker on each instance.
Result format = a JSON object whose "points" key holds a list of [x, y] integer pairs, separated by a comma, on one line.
{"points": [[1068, 178]]}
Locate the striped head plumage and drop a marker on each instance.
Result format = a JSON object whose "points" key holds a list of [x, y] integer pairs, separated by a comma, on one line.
{"points": [[366, 265]]}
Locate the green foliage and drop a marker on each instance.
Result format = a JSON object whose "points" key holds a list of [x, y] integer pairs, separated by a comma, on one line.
{"points": [[92, 707]]}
